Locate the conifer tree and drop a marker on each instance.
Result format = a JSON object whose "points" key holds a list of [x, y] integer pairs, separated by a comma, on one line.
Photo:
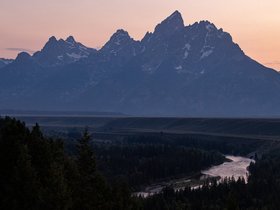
{"points": [[86, 159]]}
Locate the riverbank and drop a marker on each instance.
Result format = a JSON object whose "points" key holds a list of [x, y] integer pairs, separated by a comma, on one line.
{"points": [[236, 167]]}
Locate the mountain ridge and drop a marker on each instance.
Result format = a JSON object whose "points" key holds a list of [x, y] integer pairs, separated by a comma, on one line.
{"points": [[176, 70]]}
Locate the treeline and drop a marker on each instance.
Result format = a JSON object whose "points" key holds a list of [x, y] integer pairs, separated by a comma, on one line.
{"points": [[144, 164], [223, 144], [37, 174]]}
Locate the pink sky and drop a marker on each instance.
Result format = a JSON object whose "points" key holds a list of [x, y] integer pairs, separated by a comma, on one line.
{"points": [[27, 24]]}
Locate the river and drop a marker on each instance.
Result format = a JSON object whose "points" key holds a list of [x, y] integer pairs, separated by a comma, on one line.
{"points": [[236, 167]]}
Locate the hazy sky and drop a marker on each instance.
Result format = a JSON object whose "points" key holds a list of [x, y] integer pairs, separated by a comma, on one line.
{"points": [[27, 24]]}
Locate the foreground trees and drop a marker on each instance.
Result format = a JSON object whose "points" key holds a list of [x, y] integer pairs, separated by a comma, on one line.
{"points": [[37, 174]]}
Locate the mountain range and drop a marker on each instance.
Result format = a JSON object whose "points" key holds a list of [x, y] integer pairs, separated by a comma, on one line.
{"points": [[176, 70]]}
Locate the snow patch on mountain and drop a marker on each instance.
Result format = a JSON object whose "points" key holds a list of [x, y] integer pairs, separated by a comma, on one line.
{"points": [[179, 67], [76, 56], [150, 68], [61, 52], [187, 49], [60, 57], [206, 53], [210, 27]]}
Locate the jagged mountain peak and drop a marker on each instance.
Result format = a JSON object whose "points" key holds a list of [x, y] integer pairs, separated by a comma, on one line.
{"points": [[204, 26], [121, 47], [175, 15], [59, 52], [117, 41], [208, 31], [119, 37], [71, 39], [51, 43], [207, 25], [171, 24], [121, 32], [52, 39]]}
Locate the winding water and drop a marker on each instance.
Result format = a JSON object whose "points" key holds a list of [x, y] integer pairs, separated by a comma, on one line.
{"points": [[237, 167]]}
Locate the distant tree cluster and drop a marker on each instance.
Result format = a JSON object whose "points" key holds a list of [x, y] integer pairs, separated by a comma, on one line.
{"points": [[144, 164], [223, 144]]}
